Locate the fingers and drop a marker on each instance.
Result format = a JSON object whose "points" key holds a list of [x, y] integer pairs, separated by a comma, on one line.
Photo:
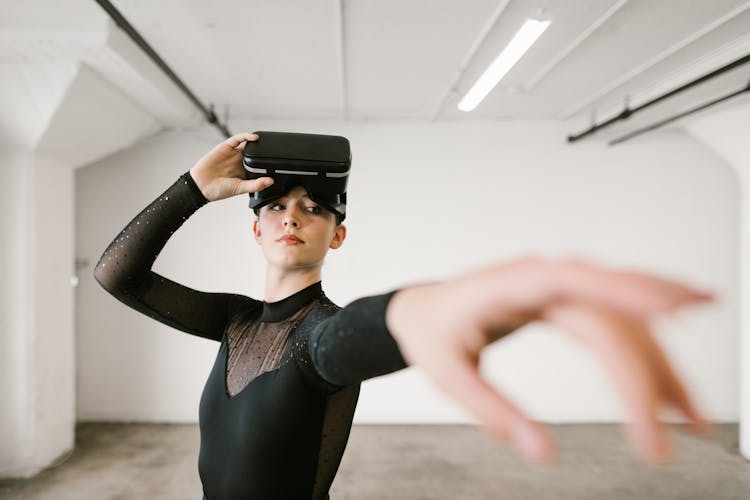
{"points": [[497, 416], [627, 291], [634, 361], [238, 139], [673, 391], [255, 185], [530, 285]]}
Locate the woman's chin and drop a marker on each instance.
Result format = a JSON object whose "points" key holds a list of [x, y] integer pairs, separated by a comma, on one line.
{"points": [[294, 264]]}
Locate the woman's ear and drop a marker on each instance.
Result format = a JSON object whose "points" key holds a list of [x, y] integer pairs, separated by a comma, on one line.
{"points": [[256, 230], [338, 236]]}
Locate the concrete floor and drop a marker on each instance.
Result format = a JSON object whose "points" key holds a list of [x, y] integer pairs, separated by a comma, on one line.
{"points": [[159, 461]]}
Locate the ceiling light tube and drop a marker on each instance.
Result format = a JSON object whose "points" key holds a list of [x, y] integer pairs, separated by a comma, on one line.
{"points": [[531, 30]]}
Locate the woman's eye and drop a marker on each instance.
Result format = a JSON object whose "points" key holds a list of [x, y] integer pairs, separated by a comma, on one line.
{"points": [[277, 207], [314, 209]]}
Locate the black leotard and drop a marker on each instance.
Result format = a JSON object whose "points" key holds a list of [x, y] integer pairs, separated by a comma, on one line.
{"points": [[277, 408]]}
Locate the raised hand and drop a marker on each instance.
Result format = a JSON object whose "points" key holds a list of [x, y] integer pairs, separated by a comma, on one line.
{"points": [[442, 328], [219, 173]]}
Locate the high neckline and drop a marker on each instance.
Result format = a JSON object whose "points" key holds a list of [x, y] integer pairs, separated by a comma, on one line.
{"points": [[282, 309]]}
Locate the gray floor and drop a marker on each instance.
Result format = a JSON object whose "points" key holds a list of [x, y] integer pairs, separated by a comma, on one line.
{"points": [[158, 461]]}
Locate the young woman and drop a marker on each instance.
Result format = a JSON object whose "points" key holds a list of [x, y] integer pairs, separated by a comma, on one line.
{"points": [[277, 408]]}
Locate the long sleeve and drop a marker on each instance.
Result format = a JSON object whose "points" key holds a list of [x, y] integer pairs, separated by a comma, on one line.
{"points": [[124, 269], [354, 344]]}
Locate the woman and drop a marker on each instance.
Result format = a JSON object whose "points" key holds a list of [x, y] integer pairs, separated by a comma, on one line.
{"points": [[277, 407]]}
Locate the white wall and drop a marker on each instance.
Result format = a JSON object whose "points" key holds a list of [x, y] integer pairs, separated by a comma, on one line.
{"points": [[56, 114], [727, 133], [51, 121], [37, 413], [429, 201]]}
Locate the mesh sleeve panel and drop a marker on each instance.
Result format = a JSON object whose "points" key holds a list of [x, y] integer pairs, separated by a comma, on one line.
{"points": [[124, 269]]}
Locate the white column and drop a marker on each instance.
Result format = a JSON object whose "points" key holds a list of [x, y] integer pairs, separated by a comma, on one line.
{"points": [[727, 133], [745, 323], [37, 370]]}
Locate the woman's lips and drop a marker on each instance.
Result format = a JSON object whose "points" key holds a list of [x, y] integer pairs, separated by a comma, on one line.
{"points": [[290, 239]]}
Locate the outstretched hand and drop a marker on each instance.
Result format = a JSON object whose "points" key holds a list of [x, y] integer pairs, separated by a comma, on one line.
{"points": [[442, 328], [219, 173]]}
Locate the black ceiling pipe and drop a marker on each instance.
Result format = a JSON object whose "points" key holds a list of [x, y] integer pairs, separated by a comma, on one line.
{"points": [[123, 23], [661, 123], [627, 112]]}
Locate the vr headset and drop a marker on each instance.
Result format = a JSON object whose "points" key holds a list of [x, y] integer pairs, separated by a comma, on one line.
{"points": [[319, 163]]}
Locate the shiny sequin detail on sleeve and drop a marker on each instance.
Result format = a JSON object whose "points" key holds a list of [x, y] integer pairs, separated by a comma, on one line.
{"points": [[355, 344], [124, 269], [340, 402], [337, 424]]}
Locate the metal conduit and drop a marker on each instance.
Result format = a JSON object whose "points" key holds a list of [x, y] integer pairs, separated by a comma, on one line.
{"points": [[661, 123], [627, 112], [123, 23]]}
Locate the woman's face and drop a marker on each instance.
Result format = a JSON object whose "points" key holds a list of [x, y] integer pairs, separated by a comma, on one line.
{"points": [[295, 232]]}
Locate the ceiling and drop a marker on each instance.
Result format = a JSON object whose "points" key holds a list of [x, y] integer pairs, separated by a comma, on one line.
{"points": [[407, 60]]}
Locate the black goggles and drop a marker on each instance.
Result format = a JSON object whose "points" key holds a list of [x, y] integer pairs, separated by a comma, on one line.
{"points": [[319, 163]]}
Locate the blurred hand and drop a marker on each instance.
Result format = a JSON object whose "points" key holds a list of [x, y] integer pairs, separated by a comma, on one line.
{"points": [[442, 328], [219, 173]]}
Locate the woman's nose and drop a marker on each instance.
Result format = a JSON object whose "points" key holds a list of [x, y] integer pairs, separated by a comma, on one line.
{"points": [[290, 219]]}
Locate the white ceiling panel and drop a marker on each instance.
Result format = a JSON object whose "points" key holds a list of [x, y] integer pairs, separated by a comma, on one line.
{"points": [[636, 32], [260, 57], [662, 73], [640, 31], [401, 56], [398, 60], [68, 17], [569, 19]]}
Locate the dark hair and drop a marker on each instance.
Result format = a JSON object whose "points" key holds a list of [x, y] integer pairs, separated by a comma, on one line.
{"points": [[289, 187]]}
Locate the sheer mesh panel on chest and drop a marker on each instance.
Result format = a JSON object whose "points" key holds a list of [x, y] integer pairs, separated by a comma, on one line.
{"points": [[256, 348]]}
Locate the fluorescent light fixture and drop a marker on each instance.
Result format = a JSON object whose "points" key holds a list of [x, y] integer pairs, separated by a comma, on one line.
{"points": [[531, 30]]}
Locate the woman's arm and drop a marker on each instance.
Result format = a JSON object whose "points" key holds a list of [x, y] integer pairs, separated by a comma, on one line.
{"points": [[354, 344], [442, 328], [124, 269]]}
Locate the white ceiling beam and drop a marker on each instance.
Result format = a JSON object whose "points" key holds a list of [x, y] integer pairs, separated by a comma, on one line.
{"points": [[466, 61], [93, 120], [573, 45], [126, 66], [341, 49], [614, 84]]}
